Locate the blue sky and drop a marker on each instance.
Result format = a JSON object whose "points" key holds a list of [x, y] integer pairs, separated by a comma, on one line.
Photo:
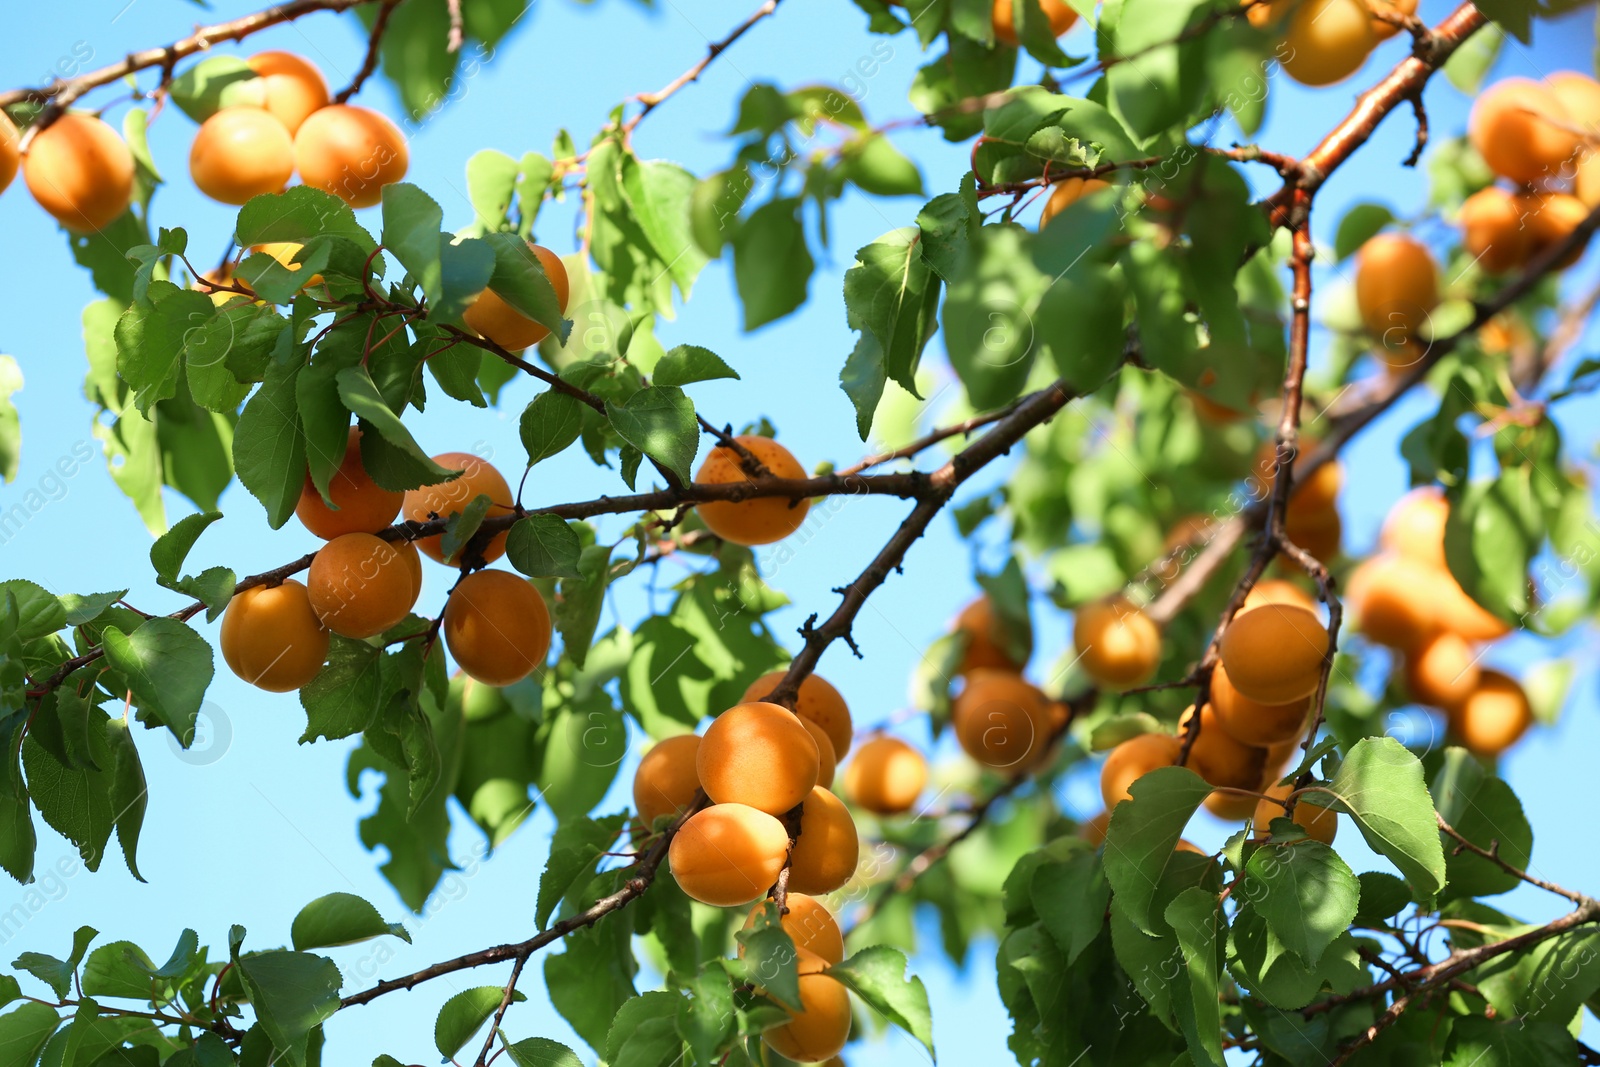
{"points": [[262, 825]]}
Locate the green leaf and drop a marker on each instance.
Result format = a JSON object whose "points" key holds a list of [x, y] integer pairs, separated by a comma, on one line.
{"points": [[1070, 897], [544, 546], [988, 316], [578, 606], [172, 548], [690, 363], [1281, 978], [167, 666], [878, 976], [57, 974], [770, 958], [298, 214], [863, 379], [1382, 896], [1142, 835], [215, 83], [292, 994], [150, 338], [1360, 223], [461, 526], [645, 1033], [1196, 918], [593, 978], [360, 394], [771, 264], [1476, 1042], [706, 1018], [340, 919], [343, 698], [660, 193], [23, 1033], [412, 221], [39, 612], [1491, 536], [659, 421], [129, 792], [1483, 809], [491, 183], [575, 849], [542, 1052], [269, 448], [464, 1015], [1380, 785], [10, 424], [1305, 892], [120, 970], [550, 422], [876, 166], [1472, 60], [466, 266], [893, 294], [520, 280]]}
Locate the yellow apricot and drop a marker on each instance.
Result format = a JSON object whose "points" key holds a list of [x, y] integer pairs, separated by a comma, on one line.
{"points": [[1220, 758], [1001, 720], [80, 171], [1274, 653], [1060, 15], [728, 854], [10, 151], [827, 763], [1132, 760], [1065, 193], [292, 87], [1094, 830], [1319, 823], [1492, 232], [444, 499], [351, 152], [360, 585], [1522, 130], [1327, 41], [1250, 721], [241, 152], [1230, 807], [491, 317], [413, 559], [986, 641], [816, 700], [1277, 591], [360, 504], [497, 627], [1443, 671], [666, 780], [1117, 643], [822, 1025], [1550, 219], [809, 924], [1383, 30], [1493, 717], [1397, 288], [826, 852], [1580, 97], [759, 520], [1460, 614], [271, 638], [1319, 532], [886, 776], [1414, 527], [760, 755], [1395, 600]]}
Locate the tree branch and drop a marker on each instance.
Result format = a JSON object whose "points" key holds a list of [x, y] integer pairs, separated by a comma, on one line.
{"points": [[369, 62], [653, 100]]}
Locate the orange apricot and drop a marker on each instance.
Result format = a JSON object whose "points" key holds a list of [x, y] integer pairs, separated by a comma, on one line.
{"points": [[1522, 130], [1219, 757], [1580, 97], [827, 850], [1492, 231], [760, 755], [728, 854], [443, 499], [491, 317], [1319, 532], [816, 700], [822, 1025], [1274, 653], [1117, 643], [413, 558], [1460, 614], [80, 171], [10, 151], [292, 87], [496, 626], [759, 520], [271, 637], [1493, 717], [1382, 29], [1094, 830], [1550, 219], [360, 504], [1065, 193], [1397, 288], [1277, 591], [1060, 15], [1250, 721], [827, 763], [666, 780], [1001, 720], [1319, 823], [351, 152], [1414, 527], [886, 776], [241, 152], [1395, 600], [809, 924], [360, 585], [1132, 760], [1442, 671], [1230, 807], [1327, 41], [987, 647]]}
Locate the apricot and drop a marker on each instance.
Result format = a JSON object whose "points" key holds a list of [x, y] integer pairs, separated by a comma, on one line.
{"points": [[1001, 720], [1443, 671], [413, 559], [79, 171], [1327, 41], [827, 763], [760, 755], [1580, 97], [728, 854], [1550, 219], [1383, 30], [10, 151], [360, 585], [360, 504], [1117, 643], [1249, 721], [491, 317], [1319, 823], [1267, 14], [271, 637], [826, 852], [666, 780], [1277, 591], [351, 152], [1493, 717], [288, 254], [241, 152], [809, 924], [1132, 760], [886, 776], [822, 1025], [987, 647], [444, 499], [1273, 654], [1395, 600], [1065, 193], [1230, 807], [1414, 527], [1220, 758], [1586, 184], [1492, 232], [1319, 532], [816, 700], [759, 520], [1460, 614], [1094, 830], [496, 626], [1060, 15], [1522, 130], [292, 87], [1397, 288]]}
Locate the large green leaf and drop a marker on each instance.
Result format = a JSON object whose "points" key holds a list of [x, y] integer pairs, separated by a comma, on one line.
{"points": [[1305, 892], [771, 264], [1196, 918], [1380, 785], [1142, 835], [269, 447], [1484, 810], [168, 666], [878, 976], [292, 993]]}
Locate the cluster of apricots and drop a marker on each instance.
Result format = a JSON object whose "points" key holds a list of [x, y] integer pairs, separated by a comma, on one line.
{"points": [[1001, 720], [359, 584], [1406, 598], [1326, 41]]}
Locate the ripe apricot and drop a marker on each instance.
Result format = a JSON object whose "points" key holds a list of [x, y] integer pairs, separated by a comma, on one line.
{"points": [[1319, 823], [1065, 193], [1001, 720], [1550, 219], [666, 779], [10, 151], [496, 626], [1579, 95], [1319, 532], [1277, 591], [413, 558], [1094, 830], [757, 754], [271, 638], [1414, 527], [727, 854], [816, 700], [826, 852], [360, 585], [827, 764], [1397, 288], [292, 87], [1250, 721], [822, 1025], [1460, 614], [1327, 41], [1274, 653], [1586, 184], [444, 499], [1443, 671], [491, 317], [1493, 717], [1060, 15], [1395, 600], [1492, 232], [80, 171], [1132, 760], [351, 152], [1230, 807], [360, 504], [886, 776], [1117, 643], [241, 152], [987, 647], [1522, 130], [1382, 30], [1220, 758], [759, 520], [809, 924]]}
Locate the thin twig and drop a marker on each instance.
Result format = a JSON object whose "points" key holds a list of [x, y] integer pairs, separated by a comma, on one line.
{"points": [[369, 62], [653, 100]]}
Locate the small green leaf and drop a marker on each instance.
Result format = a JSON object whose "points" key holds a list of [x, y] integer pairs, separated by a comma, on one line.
{"points": [[57, 974], [770, 958], [1142, 835], [462, 525], [1305, 892], [550, 422], [360, 394], [214, 83], [340, 919], [878, 976], [168, 666], [660, 422], [10, 424], [542, 1052], [544, 546], [491, 182], [1380, 785], [771, 264], [172, 548], [574, 850], [1382, 896], [292, 993], [1483, 809], [269, 448], [691, 363], [1360, 223]]}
